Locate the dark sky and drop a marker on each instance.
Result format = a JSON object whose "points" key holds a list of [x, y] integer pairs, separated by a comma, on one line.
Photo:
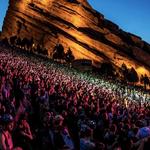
{"points": [[131, 15]]}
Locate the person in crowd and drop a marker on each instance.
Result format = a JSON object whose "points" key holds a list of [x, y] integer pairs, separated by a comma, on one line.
{"points": [[48, 106], [23, 134], [6, 141]]}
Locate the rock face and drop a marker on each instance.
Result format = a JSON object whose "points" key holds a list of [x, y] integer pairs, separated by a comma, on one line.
{"points": [[75, 25]]}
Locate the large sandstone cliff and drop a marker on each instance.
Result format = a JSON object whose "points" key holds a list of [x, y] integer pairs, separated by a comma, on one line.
{"points": [[78, 26]]}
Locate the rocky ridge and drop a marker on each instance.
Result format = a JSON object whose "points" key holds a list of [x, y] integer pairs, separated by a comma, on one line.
{"points": [[77, 25]]}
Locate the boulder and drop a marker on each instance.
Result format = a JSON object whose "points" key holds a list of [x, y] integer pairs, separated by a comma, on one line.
{"points": [[76, 25]]}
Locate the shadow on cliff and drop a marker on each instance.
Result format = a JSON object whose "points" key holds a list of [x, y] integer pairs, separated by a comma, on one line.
{"points": [[127, 51], [100, 37]]}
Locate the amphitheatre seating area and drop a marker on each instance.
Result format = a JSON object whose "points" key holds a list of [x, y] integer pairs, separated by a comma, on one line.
{"points": [[48, 106]]}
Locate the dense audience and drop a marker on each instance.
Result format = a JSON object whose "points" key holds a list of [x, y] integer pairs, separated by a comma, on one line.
{"points": [[48, 106]]}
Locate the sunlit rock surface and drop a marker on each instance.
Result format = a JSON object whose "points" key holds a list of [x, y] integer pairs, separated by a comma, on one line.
{"points": [[78, 26]]}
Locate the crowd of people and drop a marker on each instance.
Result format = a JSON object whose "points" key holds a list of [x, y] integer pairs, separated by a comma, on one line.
{"points": [[48, 106]]}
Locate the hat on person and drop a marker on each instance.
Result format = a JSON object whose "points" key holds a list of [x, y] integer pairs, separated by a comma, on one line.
{"points": [[6, 118], [143, 132]]}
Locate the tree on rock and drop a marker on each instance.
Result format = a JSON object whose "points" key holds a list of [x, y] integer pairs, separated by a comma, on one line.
{"points": [[69, 57], [13, 40], [145, 80], [58, 52], [30, 44], [18, 42], [124, 71], [132, 76], [5, 41], [107, 69], [44, 51], [39, 49], [24, 43]]}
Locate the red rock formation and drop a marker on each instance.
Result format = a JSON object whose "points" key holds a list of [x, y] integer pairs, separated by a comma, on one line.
{"points": [[78, 26]]}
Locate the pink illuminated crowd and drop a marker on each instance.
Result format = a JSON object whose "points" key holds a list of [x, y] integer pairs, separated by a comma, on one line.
{"points": [[49, 106]]}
